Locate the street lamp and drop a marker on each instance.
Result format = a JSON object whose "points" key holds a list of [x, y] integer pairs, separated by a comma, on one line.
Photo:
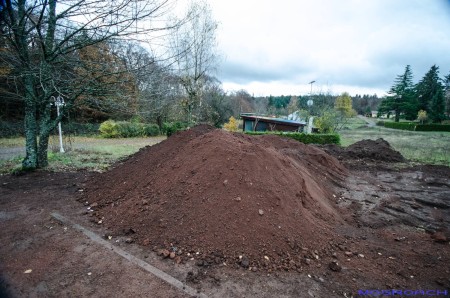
{"points": [[312, 82], [310, 103], [59, 102]]}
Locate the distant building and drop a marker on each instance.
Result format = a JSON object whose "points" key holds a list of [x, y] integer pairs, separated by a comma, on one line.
{"points": [[252, 122]]}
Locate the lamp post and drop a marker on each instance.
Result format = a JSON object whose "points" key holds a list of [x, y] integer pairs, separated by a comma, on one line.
{"points": [[59, 102], [312, 82]]}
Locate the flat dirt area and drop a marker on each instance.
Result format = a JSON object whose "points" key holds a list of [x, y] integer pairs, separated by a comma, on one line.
{"points": [[230, 215]]}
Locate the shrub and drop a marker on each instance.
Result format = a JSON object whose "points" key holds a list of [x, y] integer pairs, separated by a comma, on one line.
{"points": [[129, 129], [380, 123], [169, 128], [302, 137], [109, 129], [231, 125], [151, 130]]}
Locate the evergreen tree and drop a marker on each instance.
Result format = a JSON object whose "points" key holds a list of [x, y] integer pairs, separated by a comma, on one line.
{"points": [[437, 110], [427, 88], [401, 96], [447, 94]]}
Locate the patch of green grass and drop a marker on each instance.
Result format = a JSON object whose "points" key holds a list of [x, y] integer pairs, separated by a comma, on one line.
{"points": [[422, 147]]}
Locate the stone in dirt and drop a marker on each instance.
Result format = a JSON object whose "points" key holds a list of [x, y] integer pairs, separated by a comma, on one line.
{"points": [[334, 266]]}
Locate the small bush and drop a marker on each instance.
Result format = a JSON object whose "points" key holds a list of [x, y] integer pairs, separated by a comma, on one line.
{"points": [[380, 123], [302, 137], [151, 130], [231, 125], [109, 129], [169, 128]]}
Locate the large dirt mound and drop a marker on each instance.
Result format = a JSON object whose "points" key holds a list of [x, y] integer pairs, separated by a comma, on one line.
{"points": [[223, 195], [376, 150]]}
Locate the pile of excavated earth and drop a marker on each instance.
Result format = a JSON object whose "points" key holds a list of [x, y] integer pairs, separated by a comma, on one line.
{"points": [[260, 202]]}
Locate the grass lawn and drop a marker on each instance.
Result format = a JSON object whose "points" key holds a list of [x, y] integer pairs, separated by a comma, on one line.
{"points": [[91, 153], [418, 146]]}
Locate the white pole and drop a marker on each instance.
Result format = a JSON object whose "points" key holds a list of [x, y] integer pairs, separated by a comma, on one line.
{"points": [[61, 148], [59, 101]]}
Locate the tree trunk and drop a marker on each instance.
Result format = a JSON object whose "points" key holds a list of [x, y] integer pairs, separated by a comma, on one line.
{"points": [[30, 160], [42, 155], [397, 116], [45, 127]]}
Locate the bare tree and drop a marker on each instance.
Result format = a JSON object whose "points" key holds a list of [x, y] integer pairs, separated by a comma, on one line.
{"points": [[43, 39], [194, 46]]}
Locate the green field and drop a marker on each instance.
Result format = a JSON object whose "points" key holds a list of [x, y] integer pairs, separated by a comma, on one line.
{"points": [[417, 146]]}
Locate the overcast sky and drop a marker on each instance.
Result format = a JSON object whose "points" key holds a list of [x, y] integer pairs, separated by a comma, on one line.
{"points": [[276, 47]]}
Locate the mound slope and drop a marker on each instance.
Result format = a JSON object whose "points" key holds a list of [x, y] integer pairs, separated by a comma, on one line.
{"points": [[223, 195]]}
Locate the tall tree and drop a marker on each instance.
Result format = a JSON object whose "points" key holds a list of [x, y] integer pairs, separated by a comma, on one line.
{"points": [[400, 97], [43, 37], [427, 88], [437, 107], [194, 46], [447, 94]]}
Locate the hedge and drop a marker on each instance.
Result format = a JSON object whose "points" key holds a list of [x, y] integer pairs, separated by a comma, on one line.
{"points": [[433, 127], [302, 137], [124, 129], [417, 127], [401, 125]]}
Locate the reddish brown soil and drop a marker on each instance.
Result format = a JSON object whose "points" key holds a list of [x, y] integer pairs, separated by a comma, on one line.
{"points": [[221, 195], [387, 227], [372, 150]]}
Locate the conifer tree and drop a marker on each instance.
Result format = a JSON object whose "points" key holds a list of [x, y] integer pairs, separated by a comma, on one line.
{"points": [[401, 96], [427, 88]]}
